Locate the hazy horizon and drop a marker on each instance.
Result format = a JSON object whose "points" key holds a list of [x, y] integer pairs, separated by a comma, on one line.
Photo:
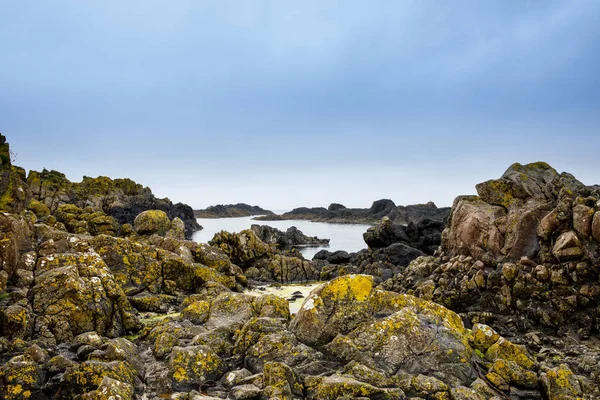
{"points": [[284, 104]]}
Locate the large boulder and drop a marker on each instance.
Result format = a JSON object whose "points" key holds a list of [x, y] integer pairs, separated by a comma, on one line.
{"points": [[518, 215], [384, 330], [242, 248], [152, 222], [75, 293]]}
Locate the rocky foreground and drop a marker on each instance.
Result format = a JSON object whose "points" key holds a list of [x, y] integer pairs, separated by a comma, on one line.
{"points": [[504, 304], [338, 213]]}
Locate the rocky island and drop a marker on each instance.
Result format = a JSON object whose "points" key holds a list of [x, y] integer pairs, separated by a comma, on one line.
{"points": [[501, 300], [231, 211], [338, 213]]}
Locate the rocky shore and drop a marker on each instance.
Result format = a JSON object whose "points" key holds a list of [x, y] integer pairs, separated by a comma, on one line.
{"points": [[231, 211], [338, 213], [502, 302]]}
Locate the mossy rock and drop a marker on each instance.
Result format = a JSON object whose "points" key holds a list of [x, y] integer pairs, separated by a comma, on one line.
{"points": [[110, 388], [152, 222], [88, 376], [197, 312], [21, 378], [340, 387], [192, 366], [560, 383], [39, 209]]}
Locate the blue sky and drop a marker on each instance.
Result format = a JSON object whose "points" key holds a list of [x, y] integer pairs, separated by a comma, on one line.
{"points": [[286, 103]]}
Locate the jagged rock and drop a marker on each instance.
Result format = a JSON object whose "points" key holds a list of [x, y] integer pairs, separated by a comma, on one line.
{"points": [[567, 247], [76, 293], [381, 208], [14, 192], [292, 237], [242, 248]]}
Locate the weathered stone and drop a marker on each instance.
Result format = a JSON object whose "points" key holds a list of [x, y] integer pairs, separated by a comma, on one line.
{"points": [[192, 366], [484, 337], [152, 222], [110, 388], [596, 226], [567, 247], [561, 384], [582, 220], [335, 387]]}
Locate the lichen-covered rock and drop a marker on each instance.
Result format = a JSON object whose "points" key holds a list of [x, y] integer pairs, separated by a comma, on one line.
{"points": [[242, 248], [561, 384], [88, 376], [14, 193], [192, 366], [335, 387], [484, 337], [280, 381], [21, 378], [177, 229], [76, 293], [110, 388], [385, 330], [152, 222], [503, 349], [197, 312]]}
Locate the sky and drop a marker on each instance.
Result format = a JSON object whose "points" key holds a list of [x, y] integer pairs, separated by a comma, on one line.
{"points": [[286, 103]]}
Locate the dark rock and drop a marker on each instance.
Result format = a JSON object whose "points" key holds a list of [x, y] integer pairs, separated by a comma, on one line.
{"points": [[292, 237], [336, 213], [231, 211]]}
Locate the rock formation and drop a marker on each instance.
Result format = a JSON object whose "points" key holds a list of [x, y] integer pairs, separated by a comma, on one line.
{"points": [[142, 313], [121, 199], [337, 213], [231, 211], [291, 237]]}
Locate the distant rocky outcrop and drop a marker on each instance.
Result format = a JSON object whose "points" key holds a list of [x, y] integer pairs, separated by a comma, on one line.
{"points": [[291, 237], [231, 211], [338, 213]]}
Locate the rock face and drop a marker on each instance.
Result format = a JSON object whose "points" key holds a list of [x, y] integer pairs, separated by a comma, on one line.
{"points": [[292, 237], [524, 246], [337, 213], [520, 215], [231, 211], [14, 195]]}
